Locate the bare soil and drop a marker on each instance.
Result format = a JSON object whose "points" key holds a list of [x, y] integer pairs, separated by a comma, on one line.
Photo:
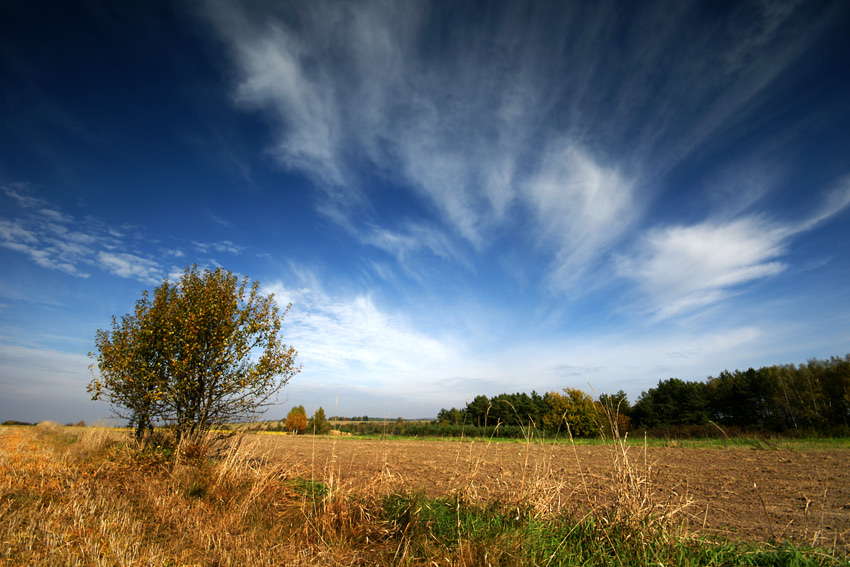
{"points": [[737, 493]]}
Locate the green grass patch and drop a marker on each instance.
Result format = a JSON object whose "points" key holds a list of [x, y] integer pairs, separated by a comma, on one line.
{"points": [[751, 443], [310, 489], [508, 535]]}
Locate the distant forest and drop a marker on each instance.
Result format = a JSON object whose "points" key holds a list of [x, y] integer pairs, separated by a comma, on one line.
{"points": [[805, 399]]}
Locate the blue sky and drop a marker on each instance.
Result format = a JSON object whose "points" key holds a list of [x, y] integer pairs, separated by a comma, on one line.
{"points": [[457, 198]]}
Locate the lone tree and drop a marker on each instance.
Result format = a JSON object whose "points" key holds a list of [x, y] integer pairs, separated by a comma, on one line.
{"points": [[204, 351], [296, 420]]}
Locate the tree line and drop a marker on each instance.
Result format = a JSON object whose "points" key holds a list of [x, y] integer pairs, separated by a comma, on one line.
{"points": [[569, 412], [805, 398], [811, 398]]}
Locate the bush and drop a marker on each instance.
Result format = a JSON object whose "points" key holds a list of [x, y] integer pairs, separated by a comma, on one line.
{"points": [[202, 352]]}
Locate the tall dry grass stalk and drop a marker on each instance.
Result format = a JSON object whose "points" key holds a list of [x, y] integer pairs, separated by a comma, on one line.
{"points": [[638, 503], [628, 496]]}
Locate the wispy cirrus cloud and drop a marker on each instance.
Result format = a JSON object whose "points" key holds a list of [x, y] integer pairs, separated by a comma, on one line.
{"points": [[412, 242], [130, 266], [512, 118], [681, 268], [49, 238], [835, 201], [584, 209], [56, 240], [223, 246], [352, 337], [371, 96], [21, 193], [349, 342]]}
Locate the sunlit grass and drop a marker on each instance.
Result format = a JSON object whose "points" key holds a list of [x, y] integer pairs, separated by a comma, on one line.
{"points": [[89, 496]]}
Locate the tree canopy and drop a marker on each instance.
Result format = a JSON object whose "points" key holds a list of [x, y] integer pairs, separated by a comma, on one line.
{"points": [[811, 397], [805, 398], [200, 352], [296, 420], [573, 410], [318, 424]]}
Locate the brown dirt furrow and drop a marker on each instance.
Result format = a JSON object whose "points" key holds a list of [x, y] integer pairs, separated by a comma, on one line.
{"points": [[739, 493]]}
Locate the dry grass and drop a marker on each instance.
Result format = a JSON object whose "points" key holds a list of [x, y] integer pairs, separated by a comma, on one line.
{"points": [[64, 505], [89, 496]]}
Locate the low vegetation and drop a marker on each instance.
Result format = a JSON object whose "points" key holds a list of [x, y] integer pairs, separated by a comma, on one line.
{"points": [[93, 496]]}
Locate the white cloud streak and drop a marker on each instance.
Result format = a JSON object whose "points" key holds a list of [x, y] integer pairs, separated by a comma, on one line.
{"points": [[413, 241], [130, 266], [685, 267], [835, 202], [515, 114], [682, 268], [225, 246], [45, 245], [351, 340], [584, 208], [351, 85], [56, 240]]}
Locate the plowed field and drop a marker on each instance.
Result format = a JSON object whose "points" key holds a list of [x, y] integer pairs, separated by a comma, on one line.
{"points": [[743, 494]]}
